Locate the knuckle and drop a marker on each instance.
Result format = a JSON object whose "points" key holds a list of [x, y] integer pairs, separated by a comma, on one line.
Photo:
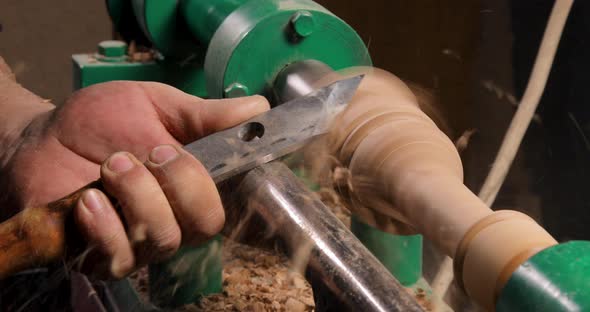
{"points": [[187, 167], [110, 239], [122, 266], [189, 178], [179, 183], [120, 163], [210, 223], [167, 240]]}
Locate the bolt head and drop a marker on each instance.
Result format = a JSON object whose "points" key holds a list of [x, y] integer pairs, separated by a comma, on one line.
{"points": [[112, 48], [236, 89], [303, 23]]}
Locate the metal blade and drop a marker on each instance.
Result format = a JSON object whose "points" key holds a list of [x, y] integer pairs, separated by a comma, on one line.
{"points": [[276, 133]]}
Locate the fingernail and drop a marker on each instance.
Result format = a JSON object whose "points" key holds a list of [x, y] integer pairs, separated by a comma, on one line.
{"points": [[163, 154], [258, 103], [121, 266], [92, 201], [120, 163]]}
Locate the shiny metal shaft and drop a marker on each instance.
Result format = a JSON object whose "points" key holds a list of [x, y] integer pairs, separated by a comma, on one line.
{"points": [[344, 274], [300, 79], [312, 235]]}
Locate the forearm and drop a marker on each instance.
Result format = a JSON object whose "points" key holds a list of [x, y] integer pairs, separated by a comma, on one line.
{"points": [[18, 107]]}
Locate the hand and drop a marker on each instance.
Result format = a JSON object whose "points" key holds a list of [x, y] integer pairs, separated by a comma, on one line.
{"points": [[135, 129]]}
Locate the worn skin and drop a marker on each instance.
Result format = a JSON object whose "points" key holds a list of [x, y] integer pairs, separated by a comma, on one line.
{"points": [[129, 134]]}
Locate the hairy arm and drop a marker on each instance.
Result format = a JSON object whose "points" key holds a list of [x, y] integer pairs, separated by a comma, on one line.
{"points": [[18, 107]]}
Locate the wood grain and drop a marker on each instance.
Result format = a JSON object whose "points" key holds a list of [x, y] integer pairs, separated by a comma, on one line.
{"points": [[39, 235]]}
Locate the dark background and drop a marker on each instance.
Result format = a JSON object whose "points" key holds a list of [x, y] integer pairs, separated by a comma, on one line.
{"points": [[473, 56]]}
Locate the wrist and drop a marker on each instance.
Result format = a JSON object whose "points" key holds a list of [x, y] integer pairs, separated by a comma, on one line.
{"points": [[18, 109]]}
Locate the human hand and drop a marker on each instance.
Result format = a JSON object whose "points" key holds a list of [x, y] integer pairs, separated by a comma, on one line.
{"points": [[166, 196]]}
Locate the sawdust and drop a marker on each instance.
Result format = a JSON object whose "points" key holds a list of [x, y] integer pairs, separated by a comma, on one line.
{"points": [[139, 54], [253, 280], [257, 280], [422, 299], [261, 280], [331, 198]]}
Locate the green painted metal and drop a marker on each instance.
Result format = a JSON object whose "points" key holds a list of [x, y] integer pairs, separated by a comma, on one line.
{"points": [[112, 48], [125, 23], [257, 40], [300, 171], [112, 51], [89, 70], [303, 23], [555, 279], [191, 273], [400, 254], [160, 22], [249, 41], [116, 9], [203, 17], [236, 90]]}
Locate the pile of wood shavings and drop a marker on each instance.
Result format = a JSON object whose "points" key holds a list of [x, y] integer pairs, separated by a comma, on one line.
{"points": [[257, 280], [254, 280]]}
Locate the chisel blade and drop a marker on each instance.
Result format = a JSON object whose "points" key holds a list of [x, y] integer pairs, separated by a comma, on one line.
{"points": [[273, 134]]}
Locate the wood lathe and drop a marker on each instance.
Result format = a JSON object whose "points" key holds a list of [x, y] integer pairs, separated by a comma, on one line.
{"points": [[406, 177]]}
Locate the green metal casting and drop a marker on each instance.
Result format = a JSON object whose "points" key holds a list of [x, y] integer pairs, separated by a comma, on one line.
{"points": [[112, 48], [160, 22], [554, 280], [248, 41], [91, 69], [204, 17], [191, 273], [259, 39], [303, 23], [236, 89], [400, 254]]}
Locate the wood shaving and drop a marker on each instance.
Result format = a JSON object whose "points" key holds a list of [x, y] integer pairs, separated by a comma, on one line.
{"points": [[259, 280], [463, 141]]}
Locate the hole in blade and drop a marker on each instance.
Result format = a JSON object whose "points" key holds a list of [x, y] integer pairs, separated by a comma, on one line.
{"points": [[250, 131]]}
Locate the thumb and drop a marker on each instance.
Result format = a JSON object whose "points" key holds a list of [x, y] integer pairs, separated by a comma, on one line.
{"points": [[189, 118], [216, 115]]}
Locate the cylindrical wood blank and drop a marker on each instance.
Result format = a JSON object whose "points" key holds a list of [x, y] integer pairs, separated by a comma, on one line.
{"points": [[404, 167]]}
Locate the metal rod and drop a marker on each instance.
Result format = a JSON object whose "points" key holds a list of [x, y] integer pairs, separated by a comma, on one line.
{"points": [[300, 79], [344, 274], [311, 232]]}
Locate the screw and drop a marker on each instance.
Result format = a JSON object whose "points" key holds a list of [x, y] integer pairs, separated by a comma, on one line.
{"points": [[303, 23], [236, 89], [112, 48]]}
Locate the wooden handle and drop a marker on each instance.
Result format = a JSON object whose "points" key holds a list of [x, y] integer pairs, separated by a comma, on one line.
{"points": [[37, 236]]}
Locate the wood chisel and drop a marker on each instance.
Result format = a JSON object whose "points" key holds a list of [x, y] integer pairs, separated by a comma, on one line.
{"points": [[37, 235]]}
